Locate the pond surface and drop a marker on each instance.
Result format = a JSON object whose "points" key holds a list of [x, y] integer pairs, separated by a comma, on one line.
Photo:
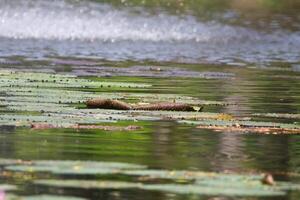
{"points": [[247, 56]]}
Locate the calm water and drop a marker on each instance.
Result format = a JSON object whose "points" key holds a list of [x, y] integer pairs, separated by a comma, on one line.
{"points": [[263, 56]]}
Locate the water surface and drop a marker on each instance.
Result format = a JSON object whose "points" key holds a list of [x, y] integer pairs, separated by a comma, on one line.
{"points": [[257, 44]]}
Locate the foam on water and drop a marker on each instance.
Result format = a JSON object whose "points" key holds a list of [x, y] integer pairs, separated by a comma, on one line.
{"points": [[160, 37]]}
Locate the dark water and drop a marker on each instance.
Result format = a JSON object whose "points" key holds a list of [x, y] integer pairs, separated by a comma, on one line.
{"points": [[264, 57]]}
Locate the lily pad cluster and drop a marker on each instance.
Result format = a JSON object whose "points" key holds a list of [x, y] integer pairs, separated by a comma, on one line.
{"points": [[142, 178], [57, 100], [27, 98], [40, 197]]}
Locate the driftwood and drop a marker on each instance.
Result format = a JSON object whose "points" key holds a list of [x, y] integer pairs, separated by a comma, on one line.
{"points": [[119, 105], [40, 126]]}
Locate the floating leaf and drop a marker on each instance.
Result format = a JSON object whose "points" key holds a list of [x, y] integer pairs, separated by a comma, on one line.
{"points": [[26, 79], [41, 197], [39, 126], [246, 126], [265, 130], [278, 115], [192, 182], [31, 98], [224, 189], [147, 71], [214, 191], [6, 187], [88, 184], [74, 167]]}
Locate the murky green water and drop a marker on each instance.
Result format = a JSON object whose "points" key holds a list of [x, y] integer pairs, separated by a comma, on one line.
{"points": [[245, 54]]}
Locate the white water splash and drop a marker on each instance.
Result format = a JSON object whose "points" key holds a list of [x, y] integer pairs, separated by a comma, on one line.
{"points": [[90, 21], [82, 28]]}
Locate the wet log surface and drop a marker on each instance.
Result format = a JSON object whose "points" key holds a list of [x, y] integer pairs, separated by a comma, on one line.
{"points": [[165, 107], [119, 105], [107, 104]]}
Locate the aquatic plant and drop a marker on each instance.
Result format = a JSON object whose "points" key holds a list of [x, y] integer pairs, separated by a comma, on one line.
{"points": [[6, 187], [40, 100], [54, 99], [246, 126], [143, 178], [41, 197]]}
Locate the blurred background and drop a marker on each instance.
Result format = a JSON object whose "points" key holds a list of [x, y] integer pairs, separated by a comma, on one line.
{"points": [[192, 31]]}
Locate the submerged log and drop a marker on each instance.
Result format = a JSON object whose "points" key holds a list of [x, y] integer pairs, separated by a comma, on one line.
{"points": [[119, 105], [107, 104]]}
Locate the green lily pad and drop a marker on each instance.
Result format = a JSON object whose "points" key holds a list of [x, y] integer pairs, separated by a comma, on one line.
{"points": [[192, 182], [6, 187], [278, 115], [74, 167], [216, 187], [49, 98], [41, 197], [213, 191], [88, 184]]}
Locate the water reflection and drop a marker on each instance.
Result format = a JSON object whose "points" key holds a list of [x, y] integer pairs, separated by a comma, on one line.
{"points": [[170, 147]]}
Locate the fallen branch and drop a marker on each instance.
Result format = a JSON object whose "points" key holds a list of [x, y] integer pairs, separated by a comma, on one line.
{"points": [[119, 105]]}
